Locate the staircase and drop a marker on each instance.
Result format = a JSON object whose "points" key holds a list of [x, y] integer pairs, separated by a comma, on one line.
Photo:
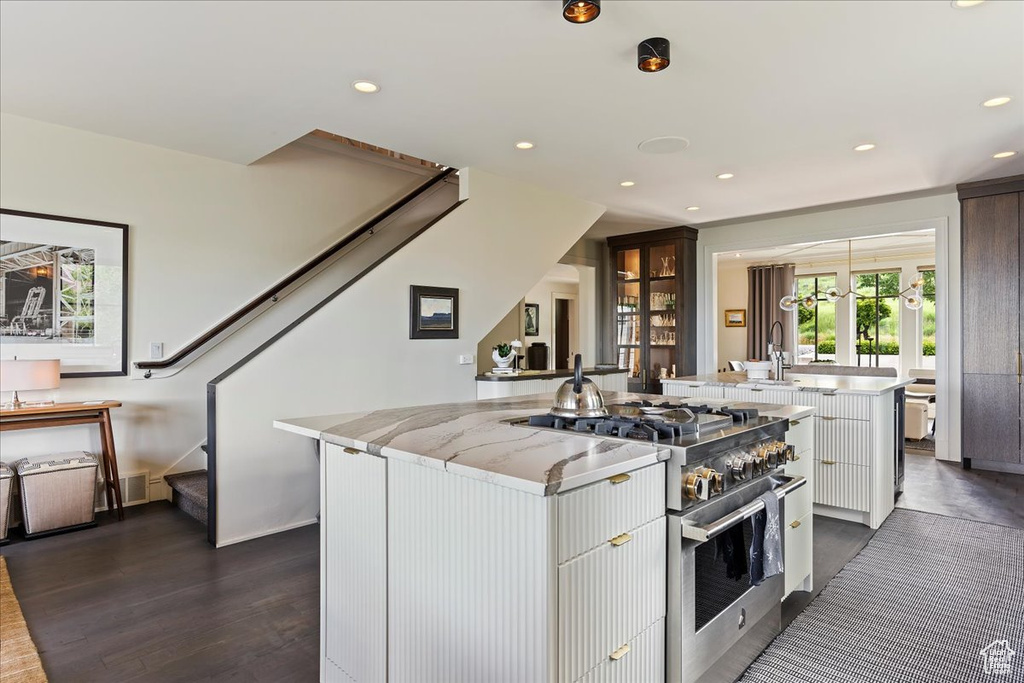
{"points": [[191, 493]]}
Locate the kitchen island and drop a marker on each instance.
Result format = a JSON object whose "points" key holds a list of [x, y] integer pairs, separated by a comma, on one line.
{"points": [[456, 546], [858, 447]]}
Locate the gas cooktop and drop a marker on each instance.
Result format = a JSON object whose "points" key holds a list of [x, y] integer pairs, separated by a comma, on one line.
{"points": [[665, 422]]}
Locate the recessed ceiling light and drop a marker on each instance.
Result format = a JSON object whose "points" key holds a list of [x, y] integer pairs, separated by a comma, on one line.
{"points": [[995, 102], [627, 183], [524, 144], [737, 255], [724, 176], [581, 11], [367, 87], [1003, 155], [964, 4], [863, 148], [693, 208]]}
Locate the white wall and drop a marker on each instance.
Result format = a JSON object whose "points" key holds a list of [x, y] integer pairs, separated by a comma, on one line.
{"points": [[938, 212], [205, 236], [355, 353], [732, 293]]}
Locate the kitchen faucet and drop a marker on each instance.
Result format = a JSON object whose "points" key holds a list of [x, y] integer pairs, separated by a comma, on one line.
{"points": [[775, 353]]}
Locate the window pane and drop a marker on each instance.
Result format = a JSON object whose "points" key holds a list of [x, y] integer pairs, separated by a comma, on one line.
{"points": [[928, 320], [816, 330]]}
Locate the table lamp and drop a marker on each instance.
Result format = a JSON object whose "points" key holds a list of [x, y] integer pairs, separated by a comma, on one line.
{"points": [[516, 349], [28, 375]]}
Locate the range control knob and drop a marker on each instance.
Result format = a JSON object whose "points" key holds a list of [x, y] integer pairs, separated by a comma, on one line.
{"points": [[695, 487], [756, 464], [713, 479], [739, 468]]}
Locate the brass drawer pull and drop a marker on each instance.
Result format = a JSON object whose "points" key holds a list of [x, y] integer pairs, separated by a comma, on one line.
{"points": [[619, 654], [828, 417], [795, 523], [620, 540], [619, 478], [794, 423], [794, 458], [352, 451], [828, 462]]}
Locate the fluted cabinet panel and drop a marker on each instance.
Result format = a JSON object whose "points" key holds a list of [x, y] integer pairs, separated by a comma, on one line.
{"points": [[644, 663], [849, 406], [845, 441], [691, 390], [608, 596], [589, 516], [842, 485], [480, 555], [354, 563]]}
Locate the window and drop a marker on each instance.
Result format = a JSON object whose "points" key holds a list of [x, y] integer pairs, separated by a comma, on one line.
{"points": [[928, 317], [816, 337], [877, 327]]}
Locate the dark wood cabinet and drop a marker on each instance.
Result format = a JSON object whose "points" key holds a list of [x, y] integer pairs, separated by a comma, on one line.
{"points": [[992, 317], [653, 289]]}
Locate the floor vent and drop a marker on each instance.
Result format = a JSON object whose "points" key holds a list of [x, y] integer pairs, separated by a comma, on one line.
{"points": [[134, 490]]}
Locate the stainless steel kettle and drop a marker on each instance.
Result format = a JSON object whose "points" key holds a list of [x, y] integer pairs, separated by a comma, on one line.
{"points": [[579, 396]]}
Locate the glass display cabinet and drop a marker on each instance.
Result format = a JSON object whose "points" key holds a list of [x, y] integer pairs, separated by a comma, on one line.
{"points": [[655, 298]]}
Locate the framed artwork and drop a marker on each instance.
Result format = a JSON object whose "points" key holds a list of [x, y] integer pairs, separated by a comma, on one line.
{"points": [[433, 312], [531, 326], [736, 317], [64, 292]]}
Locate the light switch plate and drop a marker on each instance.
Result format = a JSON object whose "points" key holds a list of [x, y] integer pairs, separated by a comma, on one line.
{"points": [[156, 350], [466, 359]]}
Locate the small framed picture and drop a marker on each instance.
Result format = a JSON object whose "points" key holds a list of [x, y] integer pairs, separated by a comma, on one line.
{"points": [[433, 312], [736, 317], [532, 324]]}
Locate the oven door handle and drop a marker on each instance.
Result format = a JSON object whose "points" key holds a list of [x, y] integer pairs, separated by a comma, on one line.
{"points": [[706, 532]]}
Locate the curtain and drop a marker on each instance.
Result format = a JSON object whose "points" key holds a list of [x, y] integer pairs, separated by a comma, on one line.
{"points": [[766, 285]]}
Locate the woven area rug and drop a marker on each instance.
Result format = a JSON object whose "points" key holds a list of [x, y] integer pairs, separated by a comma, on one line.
{"points": [[19, 660], [930, 599]]}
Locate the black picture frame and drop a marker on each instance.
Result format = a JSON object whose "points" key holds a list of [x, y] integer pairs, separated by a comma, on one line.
{"points": [[107, 328], [441, 306], [531, 320]]}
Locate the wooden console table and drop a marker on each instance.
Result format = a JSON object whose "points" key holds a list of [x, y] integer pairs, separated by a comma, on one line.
{"points": [[65, 415]]}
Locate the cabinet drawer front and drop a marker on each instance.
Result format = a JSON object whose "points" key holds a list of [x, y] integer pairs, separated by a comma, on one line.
{"points": [[608, 596], [733, 394], [801, 434], [799, 558], [845, 441], [798, 503], [589, 516], [842, 485], [692, 390], [850, 406], [643, 662]]}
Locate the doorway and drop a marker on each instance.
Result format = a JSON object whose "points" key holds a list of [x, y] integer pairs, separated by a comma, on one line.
{"points": [[565, 334]]}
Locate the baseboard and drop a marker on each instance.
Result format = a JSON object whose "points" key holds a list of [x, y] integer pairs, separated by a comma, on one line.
{"points": [[996, 466], [270, 532], [842, 513]]}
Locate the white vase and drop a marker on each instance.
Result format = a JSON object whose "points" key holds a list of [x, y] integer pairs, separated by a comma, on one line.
{"points": [[503, 362]]}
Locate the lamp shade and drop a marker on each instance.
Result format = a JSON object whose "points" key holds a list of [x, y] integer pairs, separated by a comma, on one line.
{"points": [[27, 375]]}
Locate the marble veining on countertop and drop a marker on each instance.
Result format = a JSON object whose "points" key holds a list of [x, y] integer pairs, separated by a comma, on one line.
{"points": [[474, 439], [840, 384]]}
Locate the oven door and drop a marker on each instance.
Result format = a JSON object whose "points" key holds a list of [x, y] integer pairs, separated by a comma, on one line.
{"points": [[717, 622]]}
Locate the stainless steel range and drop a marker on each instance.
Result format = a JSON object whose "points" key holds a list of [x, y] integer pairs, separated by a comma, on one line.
{"points": [[722, 459]]}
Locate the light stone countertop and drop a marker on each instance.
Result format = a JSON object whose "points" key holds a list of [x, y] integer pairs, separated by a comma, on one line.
{"points": [[839, 384], [473, 439]]}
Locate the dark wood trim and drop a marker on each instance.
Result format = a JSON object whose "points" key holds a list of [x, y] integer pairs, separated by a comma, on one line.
{"points": [[291, 279], [124, 283], [985, 188], [680, 232], [211, 464]]}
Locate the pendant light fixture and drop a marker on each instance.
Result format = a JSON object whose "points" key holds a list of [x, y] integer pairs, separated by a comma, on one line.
{"points": [[581, 11], [652, 55], [914, 301]]}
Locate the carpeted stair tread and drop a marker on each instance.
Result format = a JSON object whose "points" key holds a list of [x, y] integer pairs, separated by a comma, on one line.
{"points": [[190, 493]]}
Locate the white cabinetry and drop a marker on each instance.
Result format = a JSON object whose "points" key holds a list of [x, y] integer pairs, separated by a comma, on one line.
{"points": [[799, 519], [431, 576], [486, 388], [691, 390]]}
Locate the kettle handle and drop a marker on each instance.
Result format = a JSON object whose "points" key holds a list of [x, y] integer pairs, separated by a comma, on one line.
{"points": [[577, 384]]}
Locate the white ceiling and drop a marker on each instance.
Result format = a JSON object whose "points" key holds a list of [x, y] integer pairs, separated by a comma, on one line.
{"points": [[919, 245], [776, 92]]}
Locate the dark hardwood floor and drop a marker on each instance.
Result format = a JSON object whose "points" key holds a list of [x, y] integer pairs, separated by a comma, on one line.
{"points": [[149, 600]]}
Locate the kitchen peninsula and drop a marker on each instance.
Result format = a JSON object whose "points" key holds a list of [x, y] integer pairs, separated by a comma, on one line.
{"points": [[858, 433], [529, 382], [458, 543]]}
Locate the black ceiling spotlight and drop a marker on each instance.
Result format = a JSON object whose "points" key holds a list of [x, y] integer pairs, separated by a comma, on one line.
{"points": [[581, 11], [652, 55]]}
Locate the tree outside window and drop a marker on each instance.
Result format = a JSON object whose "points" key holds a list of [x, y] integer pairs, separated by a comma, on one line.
{"points": [[878, 319], [928, 319]]}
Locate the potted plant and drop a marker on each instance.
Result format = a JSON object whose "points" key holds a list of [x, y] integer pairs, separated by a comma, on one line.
{"points": [[503, 355]]}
